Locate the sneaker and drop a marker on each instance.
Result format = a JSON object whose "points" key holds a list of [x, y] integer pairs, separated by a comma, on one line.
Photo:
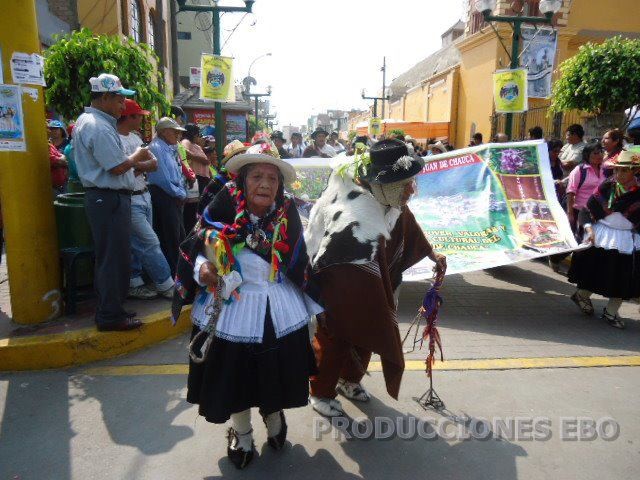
{"points": [[353, 391], [612, 320], [142, 292], [168, 293], [328, 407]]}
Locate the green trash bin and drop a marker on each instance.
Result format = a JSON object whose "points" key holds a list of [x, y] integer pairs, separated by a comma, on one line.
{"points": [[74, 231]]}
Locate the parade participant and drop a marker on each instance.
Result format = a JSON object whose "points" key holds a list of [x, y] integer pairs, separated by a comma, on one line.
{"points": [[335, 143], [145, 247], [360, 139], [361, 237], [613, 144], [571, 153], [278, 140], [190, 149], [536, 133], [58, 134], [296, 147], [611, 266], [222, 176], [583, 181], [107, 174], [319, 148], [500, 138], [258, 354], [59, 170], [476, 140], [168, 190]]}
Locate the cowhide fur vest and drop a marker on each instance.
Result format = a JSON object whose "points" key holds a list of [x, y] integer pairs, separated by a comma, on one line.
{"points": [[346, 223]]}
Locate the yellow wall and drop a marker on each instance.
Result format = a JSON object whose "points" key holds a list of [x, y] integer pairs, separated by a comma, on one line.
{"points": [[475, 98], [605, 15], [441, 94], [100, 16], [396, 110], [415, 104]]}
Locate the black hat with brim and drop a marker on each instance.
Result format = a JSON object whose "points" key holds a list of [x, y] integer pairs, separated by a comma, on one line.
{"points": [[319, 130], [391, 162]]}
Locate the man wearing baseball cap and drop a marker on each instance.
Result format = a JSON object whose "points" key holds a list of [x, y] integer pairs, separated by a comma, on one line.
{"points": [[145, 247], [107, 174], [168, 189]]}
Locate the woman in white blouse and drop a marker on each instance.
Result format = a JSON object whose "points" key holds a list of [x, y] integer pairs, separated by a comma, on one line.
{"points": [[245, 270]]}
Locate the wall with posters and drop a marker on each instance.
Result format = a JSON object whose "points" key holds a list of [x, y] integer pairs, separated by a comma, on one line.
{"points": [[235, 123]]}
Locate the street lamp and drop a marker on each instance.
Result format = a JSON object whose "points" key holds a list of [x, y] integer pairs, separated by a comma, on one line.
{"points": [[548, 7], [251, 65], [215, 10], [375, 101]]}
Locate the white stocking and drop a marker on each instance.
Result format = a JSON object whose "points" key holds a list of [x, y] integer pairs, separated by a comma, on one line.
{"points": [[241, 423], [274, 424]]}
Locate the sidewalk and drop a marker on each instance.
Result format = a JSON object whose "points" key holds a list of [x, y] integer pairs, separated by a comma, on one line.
{"points": [[74, 340]]}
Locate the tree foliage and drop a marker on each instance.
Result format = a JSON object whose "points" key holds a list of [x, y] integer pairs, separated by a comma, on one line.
{"points": [[76, 57], [399, 133], [600, 79]]}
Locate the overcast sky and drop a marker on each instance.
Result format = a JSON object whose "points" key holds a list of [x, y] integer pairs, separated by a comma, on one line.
{"points": [[324, 52]]}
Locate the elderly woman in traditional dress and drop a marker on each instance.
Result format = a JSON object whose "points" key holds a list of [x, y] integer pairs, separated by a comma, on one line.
{"points": [[245, 270], [611, 220]]}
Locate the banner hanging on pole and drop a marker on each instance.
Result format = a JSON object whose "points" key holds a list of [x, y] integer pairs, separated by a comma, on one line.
{"points": [[510, 90], [216, 82], [538, 57], [375, 126]]}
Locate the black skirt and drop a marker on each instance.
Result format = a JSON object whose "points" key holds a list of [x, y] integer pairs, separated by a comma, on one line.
{"points": [[272, 375], [606, 272]]}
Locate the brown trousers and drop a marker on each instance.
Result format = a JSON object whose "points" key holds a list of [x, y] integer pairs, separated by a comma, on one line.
{"points": [[336, 359]]}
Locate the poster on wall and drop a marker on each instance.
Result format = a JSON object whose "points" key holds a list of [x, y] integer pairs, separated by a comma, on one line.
{"points": [[510, 90], [488, 206], [538, 57], [236, 127], [12, 137], [27, 68], [216, 82], [204, 118], [195, 74]]}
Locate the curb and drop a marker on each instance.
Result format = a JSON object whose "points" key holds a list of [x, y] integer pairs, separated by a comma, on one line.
{"points": [[86, 345]]}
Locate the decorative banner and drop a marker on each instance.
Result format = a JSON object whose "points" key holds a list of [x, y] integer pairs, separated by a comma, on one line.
{"points": [[11, 119], [490, 205], [216, 82], [510, 90], [375, 126], [195, 74], [538, 57], [236, 127]]}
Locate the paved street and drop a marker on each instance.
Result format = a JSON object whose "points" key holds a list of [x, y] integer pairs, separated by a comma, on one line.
{"points": [[134, 424]]}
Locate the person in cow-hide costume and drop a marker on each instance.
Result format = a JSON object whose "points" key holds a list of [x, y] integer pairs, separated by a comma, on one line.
{"points": [[361, 237]]}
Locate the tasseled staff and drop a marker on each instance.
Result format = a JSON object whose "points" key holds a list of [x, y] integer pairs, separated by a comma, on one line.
{"points": [[429, 311]]}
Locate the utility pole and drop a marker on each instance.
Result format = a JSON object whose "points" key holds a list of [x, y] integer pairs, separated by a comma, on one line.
{"points": [[256, 97], [25, 186], [384, 81], [375, 103], [215, 10]]}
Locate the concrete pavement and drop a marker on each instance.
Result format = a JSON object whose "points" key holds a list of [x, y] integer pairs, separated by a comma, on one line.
{"points": [[90, 423]]}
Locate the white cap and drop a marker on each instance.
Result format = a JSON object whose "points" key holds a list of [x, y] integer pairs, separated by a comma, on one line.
{"points": [[105, 82], [167, 122]]}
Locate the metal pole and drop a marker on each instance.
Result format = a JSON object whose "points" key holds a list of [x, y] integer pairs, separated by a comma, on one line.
{"points": [[217, 105], [256, 115], [27, 209], [384, 82], [375, 107], [515, 61]]}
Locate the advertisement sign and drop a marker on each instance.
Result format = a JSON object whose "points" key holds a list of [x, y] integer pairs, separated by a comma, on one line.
{"points": [[216, 81], [510, 90], [236, 127], [11, 119], [195, 73], [203, 118]]}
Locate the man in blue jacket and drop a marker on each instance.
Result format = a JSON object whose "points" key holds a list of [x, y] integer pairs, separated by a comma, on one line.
{"points": [[168, 189]]}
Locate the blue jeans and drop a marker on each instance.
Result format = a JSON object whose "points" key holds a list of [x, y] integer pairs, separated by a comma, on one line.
{"points": [[145, 246]]}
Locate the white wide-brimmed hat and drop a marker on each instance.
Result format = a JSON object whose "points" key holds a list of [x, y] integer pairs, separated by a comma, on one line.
{"points": [[262, 153]]}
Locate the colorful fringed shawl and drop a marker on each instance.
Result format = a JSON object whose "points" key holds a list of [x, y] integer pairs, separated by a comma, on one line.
{"points": [[224, 228]]}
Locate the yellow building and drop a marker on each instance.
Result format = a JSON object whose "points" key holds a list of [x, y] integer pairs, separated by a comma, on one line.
{"points": [[145, 21], [455, 84]]}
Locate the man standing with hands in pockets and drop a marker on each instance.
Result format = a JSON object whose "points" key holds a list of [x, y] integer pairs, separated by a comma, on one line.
{"points": [[107, 175]]}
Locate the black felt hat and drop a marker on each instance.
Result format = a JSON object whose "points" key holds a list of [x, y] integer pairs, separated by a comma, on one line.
{"points": [[317, 131], [391, 162]]}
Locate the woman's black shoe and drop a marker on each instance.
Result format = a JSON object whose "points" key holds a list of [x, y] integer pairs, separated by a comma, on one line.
{"points": [[277, 442], [240, 458]]}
